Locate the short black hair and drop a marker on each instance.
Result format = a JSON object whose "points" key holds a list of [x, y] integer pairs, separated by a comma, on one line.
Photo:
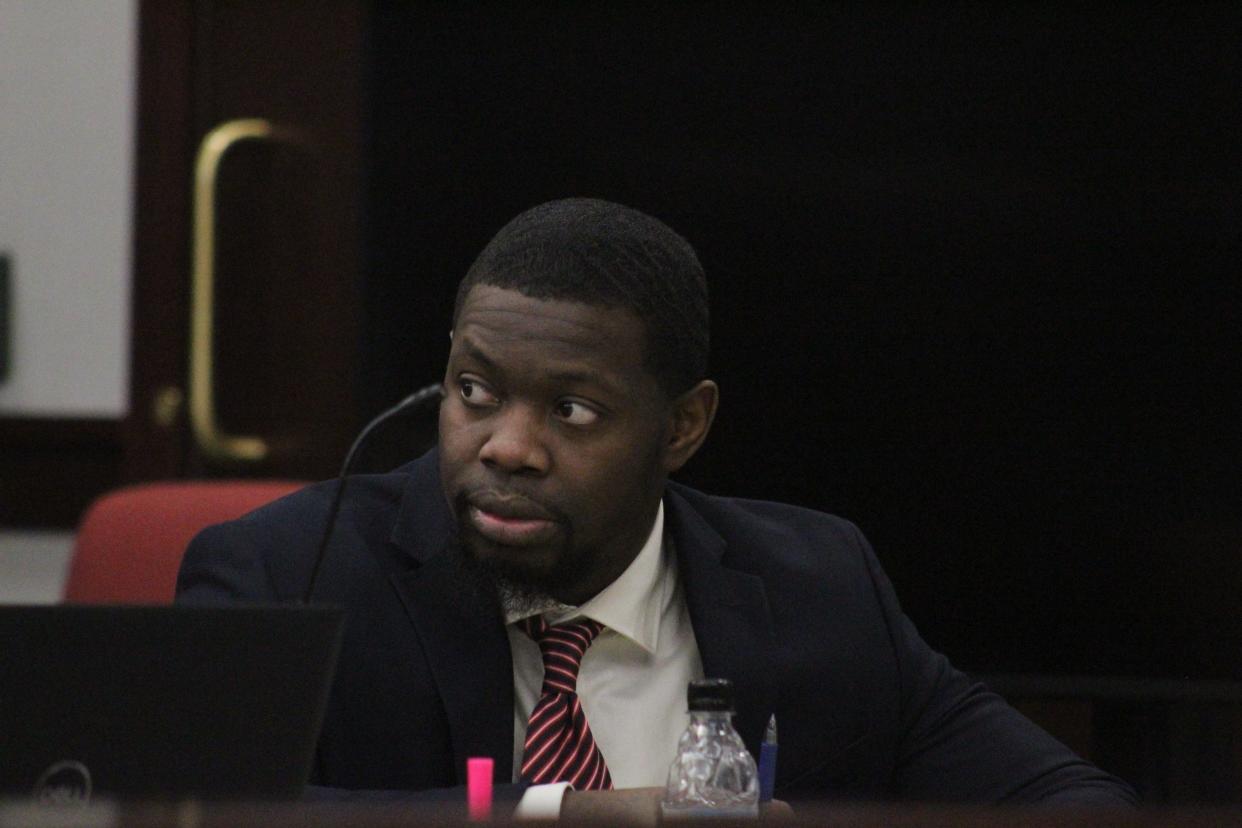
{"points": [[600, 253]]}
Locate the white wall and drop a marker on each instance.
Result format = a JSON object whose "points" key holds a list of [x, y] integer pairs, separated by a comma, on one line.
{"points": [[33, 566], [67, 90]]}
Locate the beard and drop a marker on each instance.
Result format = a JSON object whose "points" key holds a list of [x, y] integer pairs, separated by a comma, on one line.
{"points": [[518, 583]]}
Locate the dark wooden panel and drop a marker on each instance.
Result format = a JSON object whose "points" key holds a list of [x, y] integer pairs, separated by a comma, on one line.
{"points": [[1177, 741], [973, 272], [160, 315], [50, 470], [288, 257], [288, 263]]}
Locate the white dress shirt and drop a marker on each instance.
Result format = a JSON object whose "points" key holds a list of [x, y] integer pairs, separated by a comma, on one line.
{"points": [[633, 678]]}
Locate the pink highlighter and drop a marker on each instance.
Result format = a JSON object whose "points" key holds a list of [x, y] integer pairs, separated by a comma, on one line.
{"points": [[479, 787]]}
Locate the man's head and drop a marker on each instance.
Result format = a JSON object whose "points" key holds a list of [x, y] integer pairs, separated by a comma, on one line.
{"points": [[574, 386], [599, 253]]}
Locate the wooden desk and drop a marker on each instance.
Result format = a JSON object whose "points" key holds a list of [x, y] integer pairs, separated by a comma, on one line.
{"points": [[300, 815]]}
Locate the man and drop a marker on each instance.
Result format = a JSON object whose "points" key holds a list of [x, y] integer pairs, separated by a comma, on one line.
{"points": [[576, 383]]}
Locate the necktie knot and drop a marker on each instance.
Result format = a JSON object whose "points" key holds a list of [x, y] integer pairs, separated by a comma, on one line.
{"points": [[562, 646]]}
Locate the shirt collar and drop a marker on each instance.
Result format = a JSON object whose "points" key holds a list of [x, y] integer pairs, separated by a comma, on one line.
{"points": [[632, 604]]}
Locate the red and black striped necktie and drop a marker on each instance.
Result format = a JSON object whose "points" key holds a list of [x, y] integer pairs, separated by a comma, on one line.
{"points": [[559, 744]]}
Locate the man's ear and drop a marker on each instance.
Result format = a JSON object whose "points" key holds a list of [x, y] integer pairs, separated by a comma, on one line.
{"points": [[690, 420]]}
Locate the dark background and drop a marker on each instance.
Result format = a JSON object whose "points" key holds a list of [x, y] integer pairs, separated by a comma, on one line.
{"points": [[974, 276]]}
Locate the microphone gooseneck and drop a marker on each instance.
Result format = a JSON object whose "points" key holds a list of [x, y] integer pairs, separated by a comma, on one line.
{"points": [[411, 404]]}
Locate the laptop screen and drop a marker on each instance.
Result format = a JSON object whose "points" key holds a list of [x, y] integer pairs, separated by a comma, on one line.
{"points": [[162, 702]]}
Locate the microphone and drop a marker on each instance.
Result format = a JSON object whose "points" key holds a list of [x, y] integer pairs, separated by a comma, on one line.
{"points": [[411, 404]]}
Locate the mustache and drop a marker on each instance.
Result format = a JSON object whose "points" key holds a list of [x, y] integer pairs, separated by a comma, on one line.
{"points": [[507, 503]]}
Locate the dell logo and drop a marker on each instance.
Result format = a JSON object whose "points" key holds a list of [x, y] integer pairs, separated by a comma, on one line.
{"points": [[64, 783]]}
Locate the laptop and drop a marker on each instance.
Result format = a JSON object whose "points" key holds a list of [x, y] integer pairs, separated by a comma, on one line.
{"points": [[162, 702]]}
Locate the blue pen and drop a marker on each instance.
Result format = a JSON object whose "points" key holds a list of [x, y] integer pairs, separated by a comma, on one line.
{"points": [[767, 762]]}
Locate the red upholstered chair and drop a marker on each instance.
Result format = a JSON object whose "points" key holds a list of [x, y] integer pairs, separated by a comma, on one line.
{"points": [[130, 542]]}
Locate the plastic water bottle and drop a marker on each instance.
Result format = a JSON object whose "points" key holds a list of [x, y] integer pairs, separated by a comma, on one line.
{"points": [[713, 774]]}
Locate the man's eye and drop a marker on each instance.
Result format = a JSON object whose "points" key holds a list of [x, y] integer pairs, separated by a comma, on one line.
{"points": [[575, 413], [476, 394]]}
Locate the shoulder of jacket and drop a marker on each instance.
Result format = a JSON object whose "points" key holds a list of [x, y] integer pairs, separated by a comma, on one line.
{"points": [[736, 518]]}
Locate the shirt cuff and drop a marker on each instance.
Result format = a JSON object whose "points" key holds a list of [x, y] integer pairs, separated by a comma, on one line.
{"points": [[542, 801]]}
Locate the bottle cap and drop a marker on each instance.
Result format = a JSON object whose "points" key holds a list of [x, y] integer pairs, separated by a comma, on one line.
{"points": [[710, 695]]}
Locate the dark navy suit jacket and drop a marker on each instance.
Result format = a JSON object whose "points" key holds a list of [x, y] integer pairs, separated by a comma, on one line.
{"points": [[789, 603]]}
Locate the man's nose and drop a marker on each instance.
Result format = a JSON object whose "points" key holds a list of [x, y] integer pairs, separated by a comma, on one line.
{"points": [[516, 442]]}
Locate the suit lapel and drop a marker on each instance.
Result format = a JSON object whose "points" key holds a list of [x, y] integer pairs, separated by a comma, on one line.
{"points": [[462, 632], [730, 615]]}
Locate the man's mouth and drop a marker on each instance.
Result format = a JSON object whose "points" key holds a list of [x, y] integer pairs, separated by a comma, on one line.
{"points": [[510, 522]]}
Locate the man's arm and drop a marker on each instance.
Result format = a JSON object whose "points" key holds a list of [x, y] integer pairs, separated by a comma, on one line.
{"points": [[961, 742], [227, 564]]}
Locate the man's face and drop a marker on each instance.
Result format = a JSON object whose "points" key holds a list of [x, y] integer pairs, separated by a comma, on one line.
{"points": [[551, 437]]}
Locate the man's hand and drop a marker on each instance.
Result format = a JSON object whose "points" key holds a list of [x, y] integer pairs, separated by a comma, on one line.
{"points": [[638, 806]]}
